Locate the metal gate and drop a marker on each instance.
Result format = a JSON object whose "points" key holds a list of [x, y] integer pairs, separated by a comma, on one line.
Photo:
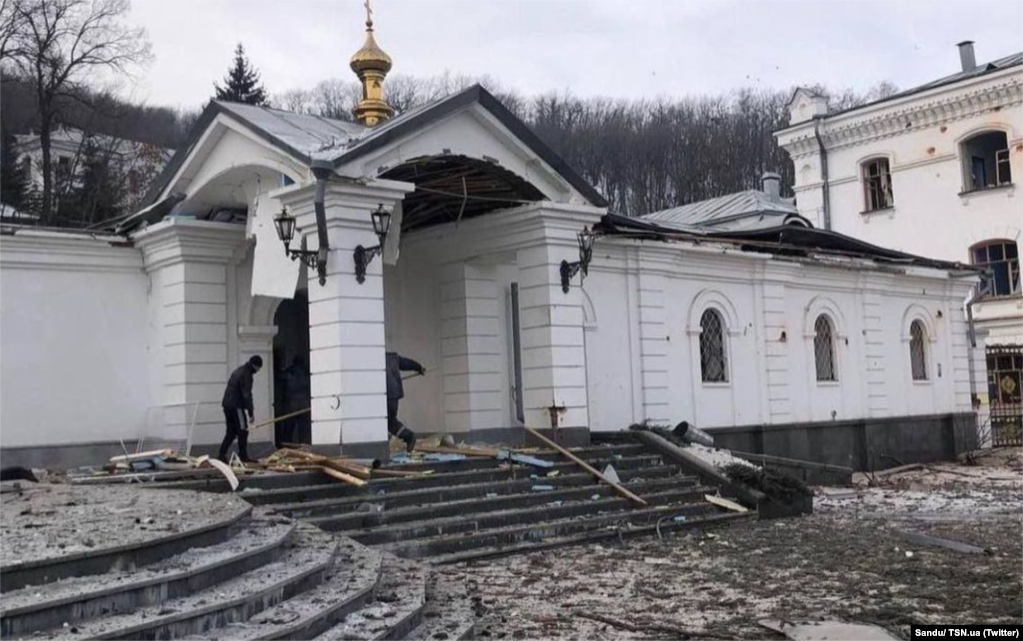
{"points": [[1005, 389]]}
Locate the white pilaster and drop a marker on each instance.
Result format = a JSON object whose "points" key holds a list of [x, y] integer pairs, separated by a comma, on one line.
{"points": [[553, 352], [187, 263], [346, 318]]}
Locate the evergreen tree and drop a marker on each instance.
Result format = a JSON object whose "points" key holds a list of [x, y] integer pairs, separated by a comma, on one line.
{"points": [[13, 181], [99, 193], [242, 82]]}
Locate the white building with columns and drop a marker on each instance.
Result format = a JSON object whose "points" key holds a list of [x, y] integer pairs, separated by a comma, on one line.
{"points": [[931, 171], [782, 338]]}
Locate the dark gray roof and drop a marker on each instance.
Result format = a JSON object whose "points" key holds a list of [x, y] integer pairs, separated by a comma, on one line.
{"points": [[311, 138], [751, 209]]}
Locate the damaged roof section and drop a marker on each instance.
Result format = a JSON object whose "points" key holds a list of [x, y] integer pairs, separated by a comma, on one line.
{"points": [[782, 240]]}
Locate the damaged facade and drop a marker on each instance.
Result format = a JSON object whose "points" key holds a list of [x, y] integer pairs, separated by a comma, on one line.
{"points": [[738, 316], [943, 156]]}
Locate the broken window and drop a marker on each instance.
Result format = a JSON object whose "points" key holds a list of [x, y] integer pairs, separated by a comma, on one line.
{"points": [[985, 160], [1001, 259], [877, 185], [824, 348], [918, 350], [712, 348]]}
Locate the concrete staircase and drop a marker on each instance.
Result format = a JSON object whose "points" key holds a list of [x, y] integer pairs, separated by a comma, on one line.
{"points": [[270, 578], [482, 508], [316, 559]]}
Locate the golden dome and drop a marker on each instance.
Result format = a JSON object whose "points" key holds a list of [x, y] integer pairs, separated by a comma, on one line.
{"points": [[370, 57]]}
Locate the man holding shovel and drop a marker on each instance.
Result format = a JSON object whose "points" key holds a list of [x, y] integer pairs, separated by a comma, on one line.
{"points": [[396, 364], [237, 406]]}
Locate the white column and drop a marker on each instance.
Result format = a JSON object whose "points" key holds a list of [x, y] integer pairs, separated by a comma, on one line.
{"points": [[874, 347], [653, 346], [553, 353], [346, 318], [187, 263], [471, 349]]}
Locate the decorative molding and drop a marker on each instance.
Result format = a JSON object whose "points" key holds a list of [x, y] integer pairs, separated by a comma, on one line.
{"points": [[51, 252], [178, 240]]}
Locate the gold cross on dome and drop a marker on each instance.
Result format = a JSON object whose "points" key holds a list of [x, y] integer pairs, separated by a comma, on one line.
{"points": [[369, 13]]}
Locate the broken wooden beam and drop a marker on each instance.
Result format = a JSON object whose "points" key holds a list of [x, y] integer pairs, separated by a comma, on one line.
{"points": [[456, 449], [341, 476], [586, 466]]}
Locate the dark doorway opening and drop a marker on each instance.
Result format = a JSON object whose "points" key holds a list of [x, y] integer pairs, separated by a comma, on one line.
{"points": [[291, 370]]}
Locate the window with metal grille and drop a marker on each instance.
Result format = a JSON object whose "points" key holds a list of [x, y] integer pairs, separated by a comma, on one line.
{"points": [[712, 348], [985, 159], [1001, 258], [918, 350], [824, 349], [877, 185]]}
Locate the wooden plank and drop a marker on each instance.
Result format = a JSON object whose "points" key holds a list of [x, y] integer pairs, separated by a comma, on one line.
{"points": [[725, 503], [586, 466], [957, 546], [900, 469], [341, 476], [465, 451], [127, 458], [279, 418]]}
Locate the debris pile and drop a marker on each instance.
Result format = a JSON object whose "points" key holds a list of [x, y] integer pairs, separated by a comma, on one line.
{"points": [[775, 485]]}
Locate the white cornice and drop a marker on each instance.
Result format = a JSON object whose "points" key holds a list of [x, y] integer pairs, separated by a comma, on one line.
{"points": [[176, 240], [912, 113], [67, 253]]}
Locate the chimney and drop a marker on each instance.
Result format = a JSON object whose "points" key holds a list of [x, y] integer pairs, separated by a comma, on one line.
{"points": [[966, 57], [771, 186]]}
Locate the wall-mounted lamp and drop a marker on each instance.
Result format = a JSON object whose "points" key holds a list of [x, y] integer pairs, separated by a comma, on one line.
{"points": [[285, 224], [568, 270], [364, 255]]}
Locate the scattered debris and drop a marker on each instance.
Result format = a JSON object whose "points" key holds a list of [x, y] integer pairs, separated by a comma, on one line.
{"points": [[774, 484], [924, 539], [725, 503]]}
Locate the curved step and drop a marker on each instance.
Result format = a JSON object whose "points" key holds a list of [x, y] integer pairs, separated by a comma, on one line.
{"points": [[350, 587], [397, 609], [593, 536], [105, 510], [448, 615], [303, 566], [252, 544]]}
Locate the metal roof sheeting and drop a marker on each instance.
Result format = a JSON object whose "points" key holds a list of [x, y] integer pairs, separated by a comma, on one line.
{"points": [[751, 209]]}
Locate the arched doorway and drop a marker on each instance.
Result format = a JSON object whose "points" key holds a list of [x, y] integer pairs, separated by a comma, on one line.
{"points": [[291, 369]]}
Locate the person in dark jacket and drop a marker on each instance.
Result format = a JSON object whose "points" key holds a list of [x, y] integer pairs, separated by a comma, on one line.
{"points": [[396, 364], [237, 406]]}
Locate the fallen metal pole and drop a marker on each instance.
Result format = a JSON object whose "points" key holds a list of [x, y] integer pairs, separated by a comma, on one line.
{"points": [[586, 466]]}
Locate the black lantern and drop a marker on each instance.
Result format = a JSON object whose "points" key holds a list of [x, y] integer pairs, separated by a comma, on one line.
{"points": [[285, 224], [364, 255], [381, 223], [585, 239]]}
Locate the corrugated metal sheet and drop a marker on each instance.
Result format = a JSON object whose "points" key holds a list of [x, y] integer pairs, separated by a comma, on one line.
{"points": [[749, 209], [312, 136]]}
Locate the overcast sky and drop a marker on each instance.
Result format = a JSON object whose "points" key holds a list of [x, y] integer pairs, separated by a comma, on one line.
{"points": [[589, 47]]}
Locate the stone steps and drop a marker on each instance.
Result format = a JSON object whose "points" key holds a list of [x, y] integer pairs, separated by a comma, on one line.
{"points": [[252, 544], [448, 615], [300, 568]]}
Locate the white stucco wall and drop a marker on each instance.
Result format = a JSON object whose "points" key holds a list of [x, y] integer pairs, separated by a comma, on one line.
{"points": [[770, 379], [73, 337]]}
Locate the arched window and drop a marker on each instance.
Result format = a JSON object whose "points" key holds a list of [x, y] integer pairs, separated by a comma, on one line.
{"points": [[877, 185], [713, 365], [1001, 258], [918, 350], [824, 349], [985, 159]]}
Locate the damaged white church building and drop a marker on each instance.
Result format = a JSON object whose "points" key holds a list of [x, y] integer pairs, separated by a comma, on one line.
{"points": [[452, 234]]}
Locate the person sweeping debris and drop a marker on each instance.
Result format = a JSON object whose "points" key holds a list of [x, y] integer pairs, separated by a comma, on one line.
{"points": [[396, 364], [237, 406]]}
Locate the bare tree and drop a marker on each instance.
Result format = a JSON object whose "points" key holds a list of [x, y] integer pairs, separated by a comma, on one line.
{"points": [[10, 23], [57, 43]]}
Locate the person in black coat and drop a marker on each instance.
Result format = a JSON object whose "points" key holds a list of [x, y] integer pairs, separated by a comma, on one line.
{"points": [[396, 364], [237, 406]]}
